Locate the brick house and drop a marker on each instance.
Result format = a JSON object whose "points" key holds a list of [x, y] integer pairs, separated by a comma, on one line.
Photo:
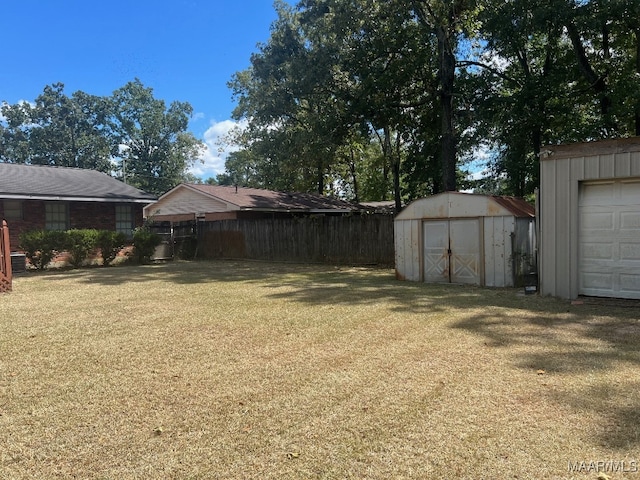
{"points": [[57, 198]]}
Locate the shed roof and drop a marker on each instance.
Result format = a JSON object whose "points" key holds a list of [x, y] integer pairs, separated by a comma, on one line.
{"points": [[464, 205], [39, 182]]}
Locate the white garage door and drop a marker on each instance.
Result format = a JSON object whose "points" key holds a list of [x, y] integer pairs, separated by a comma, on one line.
{"points": [[609, 239]]}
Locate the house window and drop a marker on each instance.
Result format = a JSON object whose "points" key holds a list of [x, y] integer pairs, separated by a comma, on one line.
{"points": [[124, 219], [12, 209], [56, 216]]}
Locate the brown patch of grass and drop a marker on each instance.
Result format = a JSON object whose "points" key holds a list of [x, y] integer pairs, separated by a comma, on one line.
{"points": [[255, 370]]}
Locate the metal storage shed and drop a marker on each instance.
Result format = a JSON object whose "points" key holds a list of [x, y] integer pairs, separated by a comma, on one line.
{"points": [[590, 219], [457, 237]]}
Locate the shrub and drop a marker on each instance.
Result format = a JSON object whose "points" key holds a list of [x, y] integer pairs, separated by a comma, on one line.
{"points": [[144, 244], [79, 244], [41, 246], [110, 243]]}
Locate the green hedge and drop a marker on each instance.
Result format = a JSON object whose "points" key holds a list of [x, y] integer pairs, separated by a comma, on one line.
{"points": [[42, 246], [110, 243], [144, 244], [80, 243]]}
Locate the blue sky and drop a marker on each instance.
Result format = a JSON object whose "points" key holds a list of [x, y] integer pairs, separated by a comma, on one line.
{"points": [[185, 50]]}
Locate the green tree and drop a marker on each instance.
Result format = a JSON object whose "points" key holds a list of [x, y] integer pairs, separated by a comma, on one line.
{"points": [[431, 83], [155, 147], [520, 89], [332, 72], [15, 133], [58, 130]]}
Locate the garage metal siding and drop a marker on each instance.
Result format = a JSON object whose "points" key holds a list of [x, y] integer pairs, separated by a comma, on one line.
{"points": [[562, 169]]}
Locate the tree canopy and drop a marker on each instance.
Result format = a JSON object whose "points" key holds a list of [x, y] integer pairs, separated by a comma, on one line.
{"points": [[380, 100], [129, 134]]}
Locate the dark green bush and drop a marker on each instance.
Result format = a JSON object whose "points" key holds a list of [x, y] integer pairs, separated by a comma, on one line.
{"points": [[144, 244], [41, 246], [110, 243], [79, 244]]}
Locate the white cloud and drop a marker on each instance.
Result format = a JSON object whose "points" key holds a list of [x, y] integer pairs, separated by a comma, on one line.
{"points": [[215, 152]]}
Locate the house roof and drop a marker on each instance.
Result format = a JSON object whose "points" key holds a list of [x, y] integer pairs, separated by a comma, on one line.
{"points": [[267, 200], [39, 182]]}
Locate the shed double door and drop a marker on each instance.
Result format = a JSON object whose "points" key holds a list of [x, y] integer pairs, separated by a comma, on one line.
{"points": [[452, 251]]}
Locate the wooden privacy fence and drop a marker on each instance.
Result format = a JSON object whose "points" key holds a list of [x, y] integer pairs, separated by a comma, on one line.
{"points": [[5, 259], [342, 240]]}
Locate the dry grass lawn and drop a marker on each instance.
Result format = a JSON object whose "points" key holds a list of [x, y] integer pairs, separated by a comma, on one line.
{"points": [[269, 371]]}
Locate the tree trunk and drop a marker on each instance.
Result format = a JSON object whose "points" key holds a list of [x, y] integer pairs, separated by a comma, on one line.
{"points": [[354, 177], [396, 175], [448, 139], [597, 82], [320, 177]]}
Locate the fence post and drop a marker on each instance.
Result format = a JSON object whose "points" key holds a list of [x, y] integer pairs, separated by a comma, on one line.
{"points": [[5, 259]]}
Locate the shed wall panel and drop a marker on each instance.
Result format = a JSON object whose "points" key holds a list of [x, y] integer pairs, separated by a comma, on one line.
{"points": [[407, 246], [414, 247], [489, 252], [497, 251]]}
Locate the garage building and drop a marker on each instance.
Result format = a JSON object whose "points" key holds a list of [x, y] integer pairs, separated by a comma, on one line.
{"points": [[590, 219]]}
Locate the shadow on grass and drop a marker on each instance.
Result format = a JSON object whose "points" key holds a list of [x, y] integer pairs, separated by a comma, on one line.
{"points": [[579, 342], [568, 339]]}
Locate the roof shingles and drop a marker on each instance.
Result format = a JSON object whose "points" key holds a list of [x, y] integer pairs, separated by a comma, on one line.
{"points": [[258, 199], [36, 181]]}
